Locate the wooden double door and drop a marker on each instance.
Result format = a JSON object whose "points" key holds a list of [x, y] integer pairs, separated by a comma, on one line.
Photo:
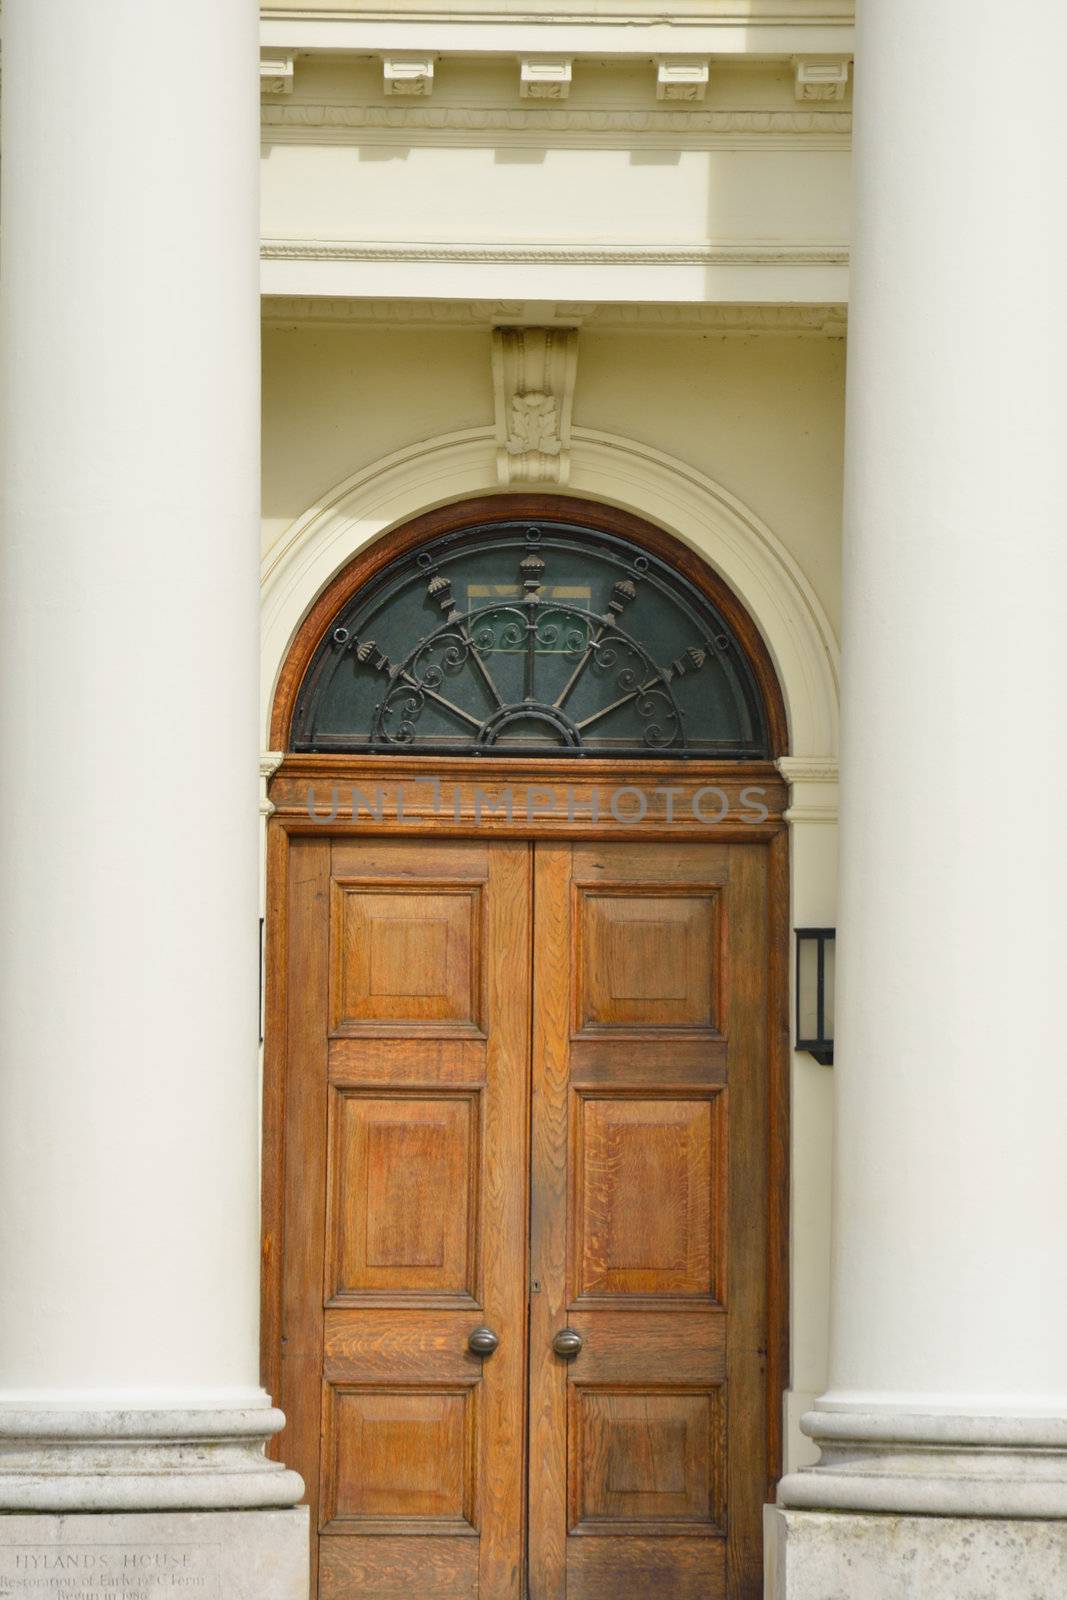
{"points": [[524, 1310]]}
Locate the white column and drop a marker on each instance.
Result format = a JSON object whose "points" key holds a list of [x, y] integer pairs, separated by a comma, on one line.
{"points": [[128, 663], [949, 1304]]}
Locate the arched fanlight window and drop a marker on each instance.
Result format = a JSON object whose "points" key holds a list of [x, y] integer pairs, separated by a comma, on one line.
{"points": [[531, 638]]}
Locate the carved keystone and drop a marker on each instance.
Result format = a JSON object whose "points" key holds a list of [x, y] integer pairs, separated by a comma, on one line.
{"points": [[534, 370]]}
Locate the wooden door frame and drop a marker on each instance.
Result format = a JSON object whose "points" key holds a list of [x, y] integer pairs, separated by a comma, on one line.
{"points": [[454, 814], [398, 797]]}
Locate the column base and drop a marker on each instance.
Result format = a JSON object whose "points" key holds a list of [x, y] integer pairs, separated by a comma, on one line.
{"points": [[932, 1464], [99, 1460], [837, 1555], [190, 1555]]}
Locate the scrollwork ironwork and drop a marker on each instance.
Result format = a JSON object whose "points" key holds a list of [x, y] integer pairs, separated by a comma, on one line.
{"points": [[525, 664]]}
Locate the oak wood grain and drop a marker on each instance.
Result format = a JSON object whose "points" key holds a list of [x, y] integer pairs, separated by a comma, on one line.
{"points": [[681, 1301], [662, 1260]]}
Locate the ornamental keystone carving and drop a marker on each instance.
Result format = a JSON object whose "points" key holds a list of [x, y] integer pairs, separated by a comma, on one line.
{"points": [[534, 371], [408, 75], [682, 78], [820, 77], [545, 77]]}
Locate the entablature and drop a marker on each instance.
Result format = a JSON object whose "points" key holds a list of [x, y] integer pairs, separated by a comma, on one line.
{"points": [[413, 167], [762, 28]]}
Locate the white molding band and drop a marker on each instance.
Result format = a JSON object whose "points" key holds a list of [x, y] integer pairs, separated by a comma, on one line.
{"points": [[626, 29], [563, 253], [605, 467]]}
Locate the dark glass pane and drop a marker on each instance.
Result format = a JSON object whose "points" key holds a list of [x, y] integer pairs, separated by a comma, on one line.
{"points": [[516, 638]]}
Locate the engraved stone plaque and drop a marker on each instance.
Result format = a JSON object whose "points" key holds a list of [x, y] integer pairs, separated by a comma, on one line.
{"points": [[124, 1571], [155, 1555]]}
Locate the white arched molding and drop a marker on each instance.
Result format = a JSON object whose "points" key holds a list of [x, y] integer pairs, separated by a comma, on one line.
{"points": [[797, 632], [604, 467]]}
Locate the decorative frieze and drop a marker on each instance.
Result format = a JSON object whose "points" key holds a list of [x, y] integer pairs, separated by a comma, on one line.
{"points": [[407, 75], [820, 77], [677, 128], [682, 78], [822, 321], [534, 371], [276, 73], [545, 77]]}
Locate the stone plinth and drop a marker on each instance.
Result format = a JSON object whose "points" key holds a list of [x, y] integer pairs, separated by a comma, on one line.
{"points": [[183, 1555], [834, 1555]]}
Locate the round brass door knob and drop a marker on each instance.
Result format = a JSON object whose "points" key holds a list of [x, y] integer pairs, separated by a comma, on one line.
{"points": [[483, 1341], [567, 1342]]}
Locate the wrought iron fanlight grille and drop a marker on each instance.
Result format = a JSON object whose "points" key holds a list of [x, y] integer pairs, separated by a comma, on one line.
{"points": [[514, 638]]}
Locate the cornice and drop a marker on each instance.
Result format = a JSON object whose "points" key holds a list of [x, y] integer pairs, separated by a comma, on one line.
{"points": [[625, 29], [563, 253], [810, 13], [296, 121], [731, 13], [824, 321]]}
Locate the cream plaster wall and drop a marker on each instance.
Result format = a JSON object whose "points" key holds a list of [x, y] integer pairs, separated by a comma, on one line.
{"points": [[760, 415]]}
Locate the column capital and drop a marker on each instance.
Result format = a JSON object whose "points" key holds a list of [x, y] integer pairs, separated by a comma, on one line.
{"points": [[813, 784]]}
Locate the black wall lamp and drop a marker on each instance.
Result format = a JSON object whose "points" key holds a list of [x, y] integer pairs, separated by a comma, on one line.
{"points": [[815, 993]]}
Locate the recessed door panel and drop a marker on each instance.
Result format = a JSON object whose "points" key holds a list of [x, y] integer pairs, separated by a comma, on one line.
{"points": [[527, 1102], [411, 1074], [648, 1221]]}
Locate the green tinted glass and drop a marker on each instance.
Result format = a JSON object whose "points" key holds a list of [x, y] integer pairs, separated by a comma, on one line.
{"points": [[520, 638]]}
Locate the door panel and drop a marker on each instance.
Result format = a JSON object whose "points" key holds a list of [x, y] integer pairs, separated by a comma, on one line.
{"points": [[500, 1049], [648, 1220], [416, 1078]]}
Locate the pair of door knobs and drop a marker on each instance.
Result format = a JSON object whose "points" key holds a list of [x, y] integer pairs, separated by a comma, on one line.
{"points": [[483, 1341]]}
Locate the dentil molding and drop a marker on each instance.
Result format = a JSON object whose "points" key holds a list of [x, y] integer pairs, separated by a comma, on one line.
{"points": [[534, 371], [682, 78], [276, 72], [545, 77], [820, 77], [407, 75]]}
